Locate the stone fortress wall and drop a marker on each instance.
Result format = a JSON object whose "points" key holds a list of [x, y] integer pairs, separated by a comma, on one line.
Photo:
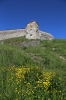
{"points": [[31, 31], [11, 33]]}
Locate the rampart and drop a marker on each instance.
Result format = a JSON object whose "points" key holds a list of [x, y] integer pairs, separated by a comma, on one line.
{"points": [[31, 31], [11, 33]]}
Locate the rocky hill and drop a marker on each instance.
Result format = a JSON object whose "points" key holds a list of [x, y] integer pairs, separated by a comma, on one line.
{"points": [[31, 31]]}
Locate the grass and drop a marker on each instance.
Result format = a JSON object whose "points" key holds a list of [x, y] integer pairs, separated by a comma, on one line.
{"points": [[31, 83], [46, 55]]}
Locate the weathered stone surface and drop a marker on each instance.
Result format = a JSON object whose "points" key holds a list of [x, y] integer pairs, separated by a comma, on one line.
{"points": [[31, 43], [31, 31], [45, 36], [6, 34]]}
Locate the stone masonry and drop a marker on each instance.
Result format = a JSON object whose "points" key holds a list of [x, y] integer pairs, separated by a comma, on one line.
{"points": [[31, 31]]}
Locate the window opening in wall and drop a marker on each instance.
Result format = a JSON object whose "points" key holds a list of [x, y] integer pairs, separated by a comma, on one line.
{"points": [[30, 34]]}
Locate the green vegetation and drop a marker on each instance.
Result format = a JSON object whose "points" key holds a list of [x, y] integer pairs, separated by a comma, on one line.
{"points": [[31, 83], [50, 56]]}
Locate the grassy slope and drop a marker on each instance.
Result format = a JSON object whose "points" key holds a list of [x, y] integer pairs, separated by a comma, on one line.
{"points": [[48, 54]]}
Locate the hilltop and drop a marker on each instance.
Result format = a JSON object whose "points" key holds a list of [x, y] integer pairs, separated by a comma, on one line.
{"points": [[31, 31]]}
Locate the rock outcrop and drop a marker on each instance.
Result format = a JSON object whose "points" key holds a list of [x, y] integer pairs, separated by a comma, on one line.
{"points": [[31, 31]]}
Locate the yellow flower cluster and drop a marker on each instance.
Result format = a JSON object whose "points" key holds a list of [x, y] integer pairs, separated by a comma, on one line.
{"points": [[47, 76], [21, 71], [16, 75]]}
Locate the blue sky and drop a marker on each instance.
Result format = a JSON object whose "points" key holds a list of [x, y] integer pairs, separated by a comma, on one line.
{"points": [[49, 14]]}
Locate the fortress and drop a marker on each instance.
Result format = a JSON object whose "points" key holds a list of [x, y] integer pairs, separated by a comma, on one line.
{"points": [[31, 31]]}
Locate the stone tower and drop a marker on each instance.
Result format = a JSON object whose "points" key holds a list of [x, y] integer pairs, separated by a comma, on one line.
{"points": [[32, 30]]}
